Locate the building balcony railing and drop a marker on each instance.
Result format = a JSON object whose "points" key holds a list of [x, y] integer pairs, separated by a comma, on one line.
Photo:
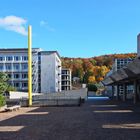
{"points": [[65, 73], [24, 88], [14, 70], [66, 85], [66, 79], [19, 61], [18, 79]]}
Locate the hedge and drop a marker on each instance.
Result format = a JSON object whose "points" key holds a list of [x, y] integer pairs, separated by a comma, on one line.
{"points": [[2, 100], [92, 87]]}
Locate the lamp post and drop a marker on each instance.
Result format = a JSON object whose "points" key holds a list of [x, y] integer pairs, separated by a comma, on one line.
{"points": [[30, 65]]}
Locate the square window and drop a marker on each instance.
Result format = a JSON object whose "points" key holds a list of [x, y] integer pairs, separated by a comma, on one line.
{"points": [[25, 76], [24, 66], [25, 85], [16, 58], [16, 76], [24, 58], [1, 58], [16, 66], [9, 58], [17, 85], [8, 66], [1, 67]]}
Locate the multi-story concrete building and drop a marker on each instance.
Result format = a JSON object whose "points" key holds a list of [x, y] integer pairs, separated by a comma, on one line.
{"points": [[66, 79], [46, 68], [50, 71], [120, 63]]}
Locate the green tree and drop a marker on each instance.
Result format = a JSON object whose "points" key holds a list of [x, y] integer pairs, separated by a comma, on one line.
{"points": [[2, 101], [93, 62], [3, 87], [3, 82], [11, 88]]}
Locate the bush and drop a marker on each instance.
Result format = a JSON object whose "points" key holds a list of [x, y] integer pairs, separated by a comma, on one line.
{"points": [[10, 88], [2, 100], [92, 87]]}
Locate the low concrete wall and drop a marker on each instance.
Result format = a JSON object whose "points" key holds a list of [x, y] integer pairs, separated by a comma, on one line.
{"points": [[58, 102], [70, 94], [71, 97], [64, 94], [52, 102]]}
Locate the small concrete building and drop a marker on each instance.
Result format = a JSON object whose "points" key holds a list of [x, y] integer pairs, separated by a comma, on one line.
{"points": [[66, 79]]}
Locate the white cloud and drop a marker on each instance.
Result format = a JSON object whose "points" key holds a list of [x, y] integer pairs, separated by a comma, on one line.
{"points": [[14, 23], [46, 25]]}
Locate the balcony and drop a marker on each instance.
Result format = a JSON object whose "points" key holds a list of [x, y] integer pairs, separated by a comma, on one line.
{"points": [[66, 79], [65, 73]]}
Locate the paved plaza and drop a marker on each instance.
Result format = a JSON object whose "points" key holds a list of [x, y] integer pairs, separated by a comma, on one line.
{"points": [[94, 120]]}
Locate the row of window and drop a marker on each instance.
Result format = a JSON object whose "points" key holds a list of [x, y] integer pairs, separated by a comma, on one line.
{"points": [[65, 76], [18, 75], [14, 66], [124, 61], [66, 88], [15, 58], [20, 85], [65, 83], [65, 72]]}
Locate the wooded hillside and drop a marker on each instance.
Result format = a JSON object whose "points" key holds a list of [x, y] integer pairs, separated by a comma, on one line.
{"points": [[92, 70]]}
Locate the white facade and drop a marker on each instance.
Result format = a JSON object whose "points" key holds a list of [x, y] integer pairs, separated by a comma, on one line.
{"points": [[50, 72], [66, 79]]}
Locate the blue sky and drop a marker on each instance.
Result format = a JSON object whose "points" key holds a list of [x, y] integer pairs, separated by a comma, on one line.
{"points": [[75, 28]]}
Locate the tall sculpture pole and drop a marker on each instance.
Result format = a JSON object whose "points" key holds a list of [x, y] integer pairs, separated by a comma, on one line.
{"points": [[30, 65]]}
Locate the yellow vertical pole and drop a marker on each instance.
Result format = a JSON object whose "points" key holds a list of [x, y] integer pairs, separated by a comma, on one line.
{"points": [[30, 64]]}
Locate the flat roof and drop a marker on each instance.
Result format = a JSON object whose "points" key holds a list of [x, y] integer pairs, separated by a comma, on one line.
{"points": [[26, 49], [50, 52], [17, 49]]}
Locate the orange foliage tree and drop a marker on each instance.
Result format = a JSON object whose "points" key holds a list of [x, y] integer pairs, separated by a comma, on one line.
{"points": [[92, 70]]}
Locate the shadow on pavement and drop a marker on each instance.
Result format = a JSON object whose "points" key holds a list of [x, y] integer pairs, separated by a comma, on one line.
{"points": [[101, 120]]}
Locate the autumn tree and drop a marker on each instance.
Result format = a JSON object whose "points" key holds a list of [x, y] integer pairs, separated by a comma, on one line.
{"points": [[97, 67], [91, 79]]}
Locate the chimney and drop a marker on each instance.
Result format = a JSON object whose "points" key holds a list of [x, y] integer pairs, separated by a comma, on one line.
{"points": [[138, 45]]}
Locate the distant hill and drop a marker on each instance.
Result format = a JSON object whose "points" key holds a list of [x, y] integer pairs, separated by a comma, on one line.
{"points": [[92, 70]]}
